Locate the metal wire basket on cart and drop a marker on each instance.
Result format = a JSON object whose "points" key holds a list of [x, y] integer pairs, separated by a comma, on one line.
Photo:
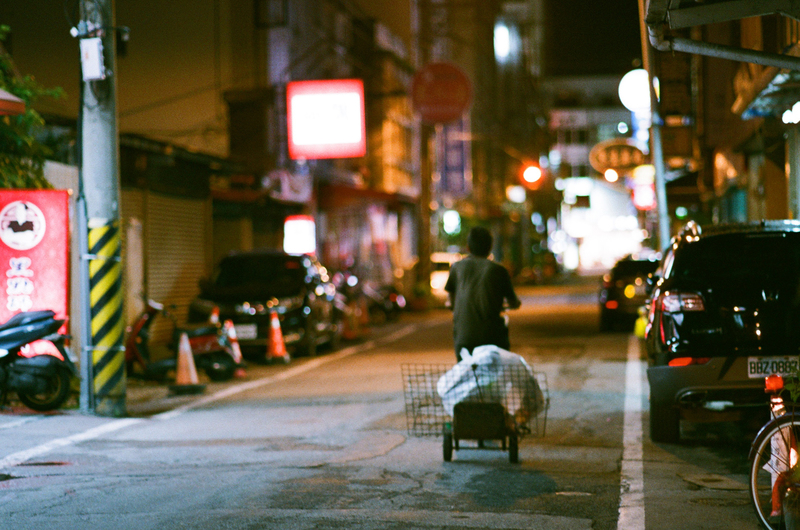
{"points": [[505, 403]]}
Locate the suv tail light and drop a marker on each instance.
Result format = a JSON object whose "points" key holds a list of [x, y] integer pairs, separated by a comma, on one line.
{"points": [[688, 361], [679, 302]]}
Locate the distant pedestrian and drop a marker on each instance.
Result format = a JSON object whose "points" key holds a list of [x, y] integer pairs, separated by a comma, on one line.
{"points": [[478, 288]]}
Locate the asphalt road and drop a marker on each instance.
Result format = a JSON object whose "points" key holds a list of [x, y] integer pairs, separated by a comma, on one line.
{"points": [[325, 443]]}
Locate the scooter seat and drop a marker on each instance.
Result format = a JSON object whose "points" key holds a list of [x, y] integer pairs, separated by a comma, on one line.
{"points": [[27, 317]]}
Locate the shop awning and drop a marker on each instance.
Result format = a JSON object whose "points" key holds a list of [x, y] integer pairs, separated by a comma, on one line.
{"points": [[679, 14], [767, 91], [10, 104]]}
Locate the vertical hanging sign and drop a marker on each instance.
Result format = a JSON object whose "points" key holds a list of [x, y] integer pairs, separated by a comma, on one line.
{"points": [[34, 251]]}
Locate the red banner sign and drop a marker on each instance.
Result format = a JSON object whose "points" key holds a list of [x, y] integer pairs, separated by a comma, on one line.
{"points": [[34, 251]]}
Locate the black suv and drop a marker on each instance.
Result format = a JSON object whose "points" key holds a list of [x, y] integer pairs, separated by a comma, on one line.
{"points": [[247, 286], [724, 314]]}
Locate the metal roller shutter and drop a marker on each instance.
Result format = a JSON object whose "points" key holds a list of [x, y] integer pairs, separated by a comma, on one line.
{"points": [[177, 239], [132, 213]]}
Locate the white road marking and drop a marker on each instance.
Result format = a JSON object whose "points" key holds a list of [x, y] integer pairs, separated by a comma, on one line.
{"points": [[19, 457], [631, 499], [21, 421], [22, 456]]}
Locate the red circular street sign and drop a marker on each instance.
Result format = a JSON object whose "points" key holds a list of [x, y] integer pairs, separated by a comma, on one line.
{"points": [[440, 93]]}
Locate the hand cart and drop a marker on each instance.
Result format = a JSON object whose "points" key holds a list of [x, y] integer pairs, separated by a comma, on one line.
{"points": [[501, 403]]}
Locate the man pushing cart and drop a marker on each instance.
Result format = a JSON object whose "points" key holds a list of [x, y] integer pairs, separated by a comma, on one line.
{"points": [[492, 394]]}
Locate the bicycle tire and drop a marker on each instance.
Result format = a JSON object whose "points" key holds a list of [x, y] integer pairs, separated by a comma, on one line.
{"points": [[768, 458]]}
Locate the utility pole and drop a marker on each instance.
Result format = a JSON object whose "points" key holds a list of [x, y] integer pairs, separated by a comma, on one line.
{"points": [[103, 383], [422, 43], [664, 229]]}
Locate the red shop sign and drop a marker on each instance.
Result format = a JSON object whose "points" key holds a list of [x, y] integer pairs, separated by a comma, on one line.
{"points": [[34, 251]]}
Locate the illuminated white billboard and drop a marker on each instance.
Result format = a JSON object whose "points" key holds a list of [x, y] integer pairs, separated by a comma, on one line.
{"points": [[299, 235], [325, 119]]}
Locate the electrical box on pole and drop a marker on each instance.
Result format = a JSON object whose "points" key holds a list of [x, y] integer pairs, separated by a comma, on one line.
{"points": [[103, 387]]}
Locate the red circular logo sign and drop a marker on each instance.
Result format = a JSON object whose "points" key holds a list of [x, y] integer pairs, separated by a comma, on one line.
{"points": [[440, 93]]}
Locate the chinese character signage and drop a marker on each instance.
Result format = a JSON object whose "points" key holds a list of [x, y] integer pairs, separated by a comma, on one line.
{"points": [[34, 251]]}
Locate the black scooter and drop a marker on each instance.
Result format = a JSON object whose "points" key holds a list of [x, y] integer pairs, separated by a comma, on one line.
{"points": [[33, 360]]}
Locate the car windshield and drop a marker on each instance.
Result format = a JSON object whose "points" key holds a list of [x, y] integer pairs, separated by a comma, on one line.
{"points": [[260, 275], [738, 259]]}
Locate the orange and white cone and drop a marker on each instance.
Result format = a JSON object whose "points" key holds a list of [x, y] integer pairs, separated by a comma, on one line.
{"points": [[236, 350], [276, 349], [213, 318], [186, 381]]}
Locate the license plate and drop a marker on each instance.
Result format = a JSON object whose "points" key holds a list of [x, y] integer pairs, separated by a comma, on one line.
{"points": [[246, 331], [760, 367]]}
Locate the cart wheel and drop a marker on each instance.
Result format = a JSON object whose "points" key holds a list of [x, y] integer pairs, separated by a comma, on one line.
{"points": [[513, 448], [447, 447]]}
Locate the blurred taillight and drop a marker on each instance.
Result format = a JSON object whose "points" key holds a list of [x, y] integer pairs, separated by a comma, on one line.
{"points": [[687, 361], [677, 302]]}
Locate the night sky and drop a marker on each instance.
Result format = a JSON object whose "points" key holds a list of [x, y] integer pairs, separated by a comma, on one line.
{"points": [[591, 37]]}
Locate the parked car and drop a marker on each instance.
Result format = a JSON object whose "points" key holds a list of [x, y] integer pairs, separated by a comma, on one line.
{"points": [[247, 286], [724, 314], [623, 292], [440, 271]]}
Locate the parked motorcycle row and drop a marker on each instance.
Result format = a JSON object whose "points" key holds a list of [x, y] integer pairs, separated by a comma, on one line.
{"points": [[35, 361], [362, 302]]}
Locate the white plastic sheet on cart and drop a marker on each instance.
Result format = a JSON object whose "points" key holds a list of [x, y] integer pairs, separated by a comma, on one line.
{"points": [[492, 374]]}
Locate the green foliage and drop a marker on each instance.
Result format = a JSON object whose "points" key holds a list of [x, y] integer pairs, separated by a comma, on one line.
{"points": [[793, 386], [22, 156]]}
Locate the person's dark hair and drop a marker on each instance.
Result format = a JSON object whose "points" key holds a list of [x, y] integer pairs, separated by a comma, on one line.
{"points": [[479, 242]]}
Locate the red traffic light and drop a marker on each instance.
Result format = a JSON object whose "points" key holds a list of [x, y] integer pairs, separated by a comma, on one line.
{"points": [[531, 176]]}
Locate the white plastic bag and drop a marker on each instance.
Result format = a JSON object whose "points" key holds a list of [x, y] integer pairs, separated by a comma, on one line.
{"points": [[492, 374]]}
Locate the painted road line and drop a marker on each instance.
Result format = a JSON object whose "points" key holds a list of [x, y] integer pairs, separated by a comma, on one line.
{"points": [[631, 498], [19, 457], [22, 456], [21, 421]]}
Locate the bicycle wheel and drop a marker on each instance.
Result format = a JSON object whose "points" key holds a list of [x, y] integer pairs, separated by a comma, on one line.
{"points": [[769, 459]]}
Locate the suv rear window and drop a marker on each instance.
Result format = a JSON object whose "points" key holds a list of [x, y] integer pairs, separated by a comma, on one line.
{"points": [[271, 275], [769, 258], [634, 267]]}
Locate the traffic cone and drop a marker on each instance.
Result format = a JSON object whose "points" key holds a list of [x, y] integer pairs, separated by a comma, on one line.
{"points": [[276, 349], [213, 318], [186, 381], [236, 350]]}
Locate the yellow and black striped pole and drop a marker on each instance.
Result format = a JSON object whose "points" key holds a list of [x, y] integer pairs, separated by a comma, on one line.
{"points": [[107, 330]]}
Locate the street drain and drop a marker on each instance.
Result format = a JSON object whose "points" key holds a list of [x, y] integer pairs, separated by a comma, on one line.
{"points": [[32, 464], [3, 477]]}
